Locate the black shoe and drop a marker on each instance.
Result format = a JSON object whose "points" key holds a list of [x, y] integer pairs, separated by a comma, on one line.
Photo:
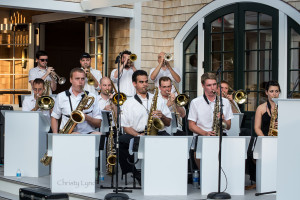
{"points": [[137, 176]]}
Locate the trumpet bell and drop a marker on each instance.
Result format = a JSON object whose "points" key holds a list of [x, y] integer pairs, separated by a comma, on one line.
{"points": [[240, 96], [121, 100], [45, 102], [61, 80], [168, 57], [91, 81], [182, 100], [132, 57]]}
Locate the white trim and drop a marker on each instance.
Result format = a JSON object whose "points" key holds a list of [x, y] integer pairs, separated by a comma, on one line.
{"points": [[65, 7], [200, 55], [93, 4], [136, 34], [52, 17], [284, 9]]}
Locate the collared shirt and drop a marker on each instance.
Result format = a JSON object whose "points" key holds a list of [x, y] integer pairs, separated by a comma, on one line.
{"points": [[162, 73], [202, 113], [126, 85], [102, 103], [29, 103], [91, 88], [38, 72], [135, 115], [62, 108]]}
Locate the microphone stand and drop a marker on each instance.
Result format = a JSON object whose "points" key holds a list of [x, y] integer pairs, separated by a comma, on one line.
{"points": [[219, 194], [116, 195]]}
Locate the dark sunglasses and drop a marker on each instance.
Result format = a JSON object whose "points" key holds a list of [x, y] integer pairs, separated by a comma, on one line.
{"points": [[44, 60]]}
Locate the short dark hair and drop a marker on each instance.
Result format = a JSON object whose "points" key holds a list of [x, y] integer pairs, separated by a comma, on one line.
{"points": [[272, 83], [164, 78], [85, 55], [38, 81], [126, 52], [77, 69], [206, 76], [138, 73], [40, 53]]}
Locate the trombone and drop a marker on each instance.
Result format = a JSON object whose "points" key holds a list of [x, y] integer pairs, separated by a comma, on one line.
{"points": [[45, 102], [239, 96], [115, 97], [180, 99]]}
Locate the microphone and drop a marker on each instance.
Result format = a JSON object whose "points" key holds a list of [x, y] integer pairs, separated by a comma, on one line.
{"points": [[118, 58], [219, 70]]}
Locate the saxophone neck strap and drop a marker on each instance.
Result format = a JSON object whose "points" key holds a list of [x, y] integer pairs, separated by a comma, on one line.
{"points": [[206, 100], [140, 101], [68, 94], [269, 106]]}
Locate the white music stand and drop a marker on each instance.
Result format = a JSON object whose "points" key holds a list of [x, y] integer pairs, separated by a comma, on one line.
{"points": [[173, 127], [164, 164], [233, 163], [288, 148], [236, 122], [73, 162], [25, 143], [265, 153], [105, 122]]}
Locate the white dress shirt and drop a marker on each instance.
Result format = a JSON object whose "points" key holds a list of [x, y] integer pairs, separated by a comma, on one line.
{"points": [[91, 88], [29, 103], [162, 73], [38, 72], [135, 115], [62, 108], [126, 85], [102, 103], [202, 113]]}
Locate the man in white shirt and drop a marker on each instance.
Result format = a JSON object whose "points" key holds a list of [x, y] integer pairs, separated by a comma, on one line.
{"points": [[134, 117], [93, 74], [165, 86], [67, 101], [30, 102], [42, 71], [126, 70], [225, 87], [163, 69]]}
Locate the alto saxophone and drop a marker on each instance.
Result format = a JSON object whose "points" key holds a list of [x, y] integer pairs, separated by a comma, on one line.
{"points": [[154, 124], [273, 131], [76, 117], [111, 151], [216, 120]]}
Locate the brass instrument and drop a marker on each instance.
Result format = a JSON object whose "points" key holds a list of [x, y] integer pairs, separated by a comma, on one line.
{"points": [[154, 124], [76, 117], [132, 57], [115, 97], [273, 131], [90, 80], [45, 102], [239, 96], [181, 99], [168, 57], [60, 80], [232, 103], [216, 120], [111, 151]]}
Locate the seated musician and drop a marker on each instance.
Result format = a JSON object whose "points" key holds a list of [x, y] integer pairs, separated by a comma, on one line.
{"points": [[134, 118], [67, 101], [201, 112], [30, 102], [225, 88], [165, 87]]}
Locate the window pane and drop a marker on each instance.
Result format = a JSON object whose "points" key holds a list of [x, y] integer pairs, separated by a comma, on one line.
{"points": [[265, 39], [251, 102], [265, 21], [251, 40], [251, 60], [216, 26], [264, 77], [21, 51], [6, 99], [265, 60], [21, 81], [192, 47], [191, 81], [228, 41], [6, 67], [99, 45], [229, 77], [6, 82], [191, 94], [191, 63], [295, 55], [21, 67], [92, 45], [250, 20], [295, 39], [93, 62], [6, 51], [92, 29], [251, 80], [228, 61], [21, 37], [229, 22], [100, 28], [294, 77], [6, 38], [216, 44], [99, 63], [216, 61]]}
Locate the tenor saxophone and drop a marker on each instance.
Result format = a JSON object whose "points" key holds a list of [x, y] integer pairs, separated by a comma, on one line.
{"points": [[273, 131], [216, 120]]}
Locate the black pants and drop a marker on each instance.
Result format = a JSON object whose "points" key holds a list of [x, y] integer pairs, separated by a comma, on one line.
{"points": [[124, 155]]}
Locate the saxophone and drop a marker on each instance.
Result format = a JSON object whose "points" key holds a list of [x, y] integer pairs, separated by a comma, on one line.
{"points": [[216, 120], [272, 130], [76, 117], [111, 151], [154, 124]]}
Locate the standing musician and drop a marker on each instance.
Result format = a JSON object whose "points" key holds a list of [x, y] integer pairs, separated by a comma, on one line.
{"points": [[67, 101], [225, 88], [164, 69], [93, 76], [165, 86], [42, 71], [127, 68], [134, 117]]}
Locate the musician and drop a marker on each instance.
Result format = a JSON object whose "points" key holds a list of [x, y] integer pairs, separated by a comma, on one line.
{"points": [[30, 102], [264, 111], [95, 75], [163, 69], [67, 101], [202, 108], [165, 86], [42, 71], [225, 88], [127, 68], [134, 117]]}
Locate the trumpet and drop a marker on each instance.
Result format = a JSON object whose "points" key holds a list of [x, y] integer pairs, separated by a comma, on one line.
{"points": [[132, 57], [90, 80], [115, 97], [168, 57], [60, 80]]}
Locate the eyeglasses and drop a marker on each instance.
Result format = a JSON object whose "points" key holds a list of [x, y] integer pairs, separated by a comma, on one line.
{"points": [[44, 60]]}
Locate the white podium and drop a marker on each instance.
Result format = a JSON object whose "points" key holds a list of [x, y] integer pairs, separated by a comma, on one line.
{"points": [[236, 122], [173, 127], [73, 162], [233, 164], [288, 148], [25, 143], [265, 153], [164, 164]]}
